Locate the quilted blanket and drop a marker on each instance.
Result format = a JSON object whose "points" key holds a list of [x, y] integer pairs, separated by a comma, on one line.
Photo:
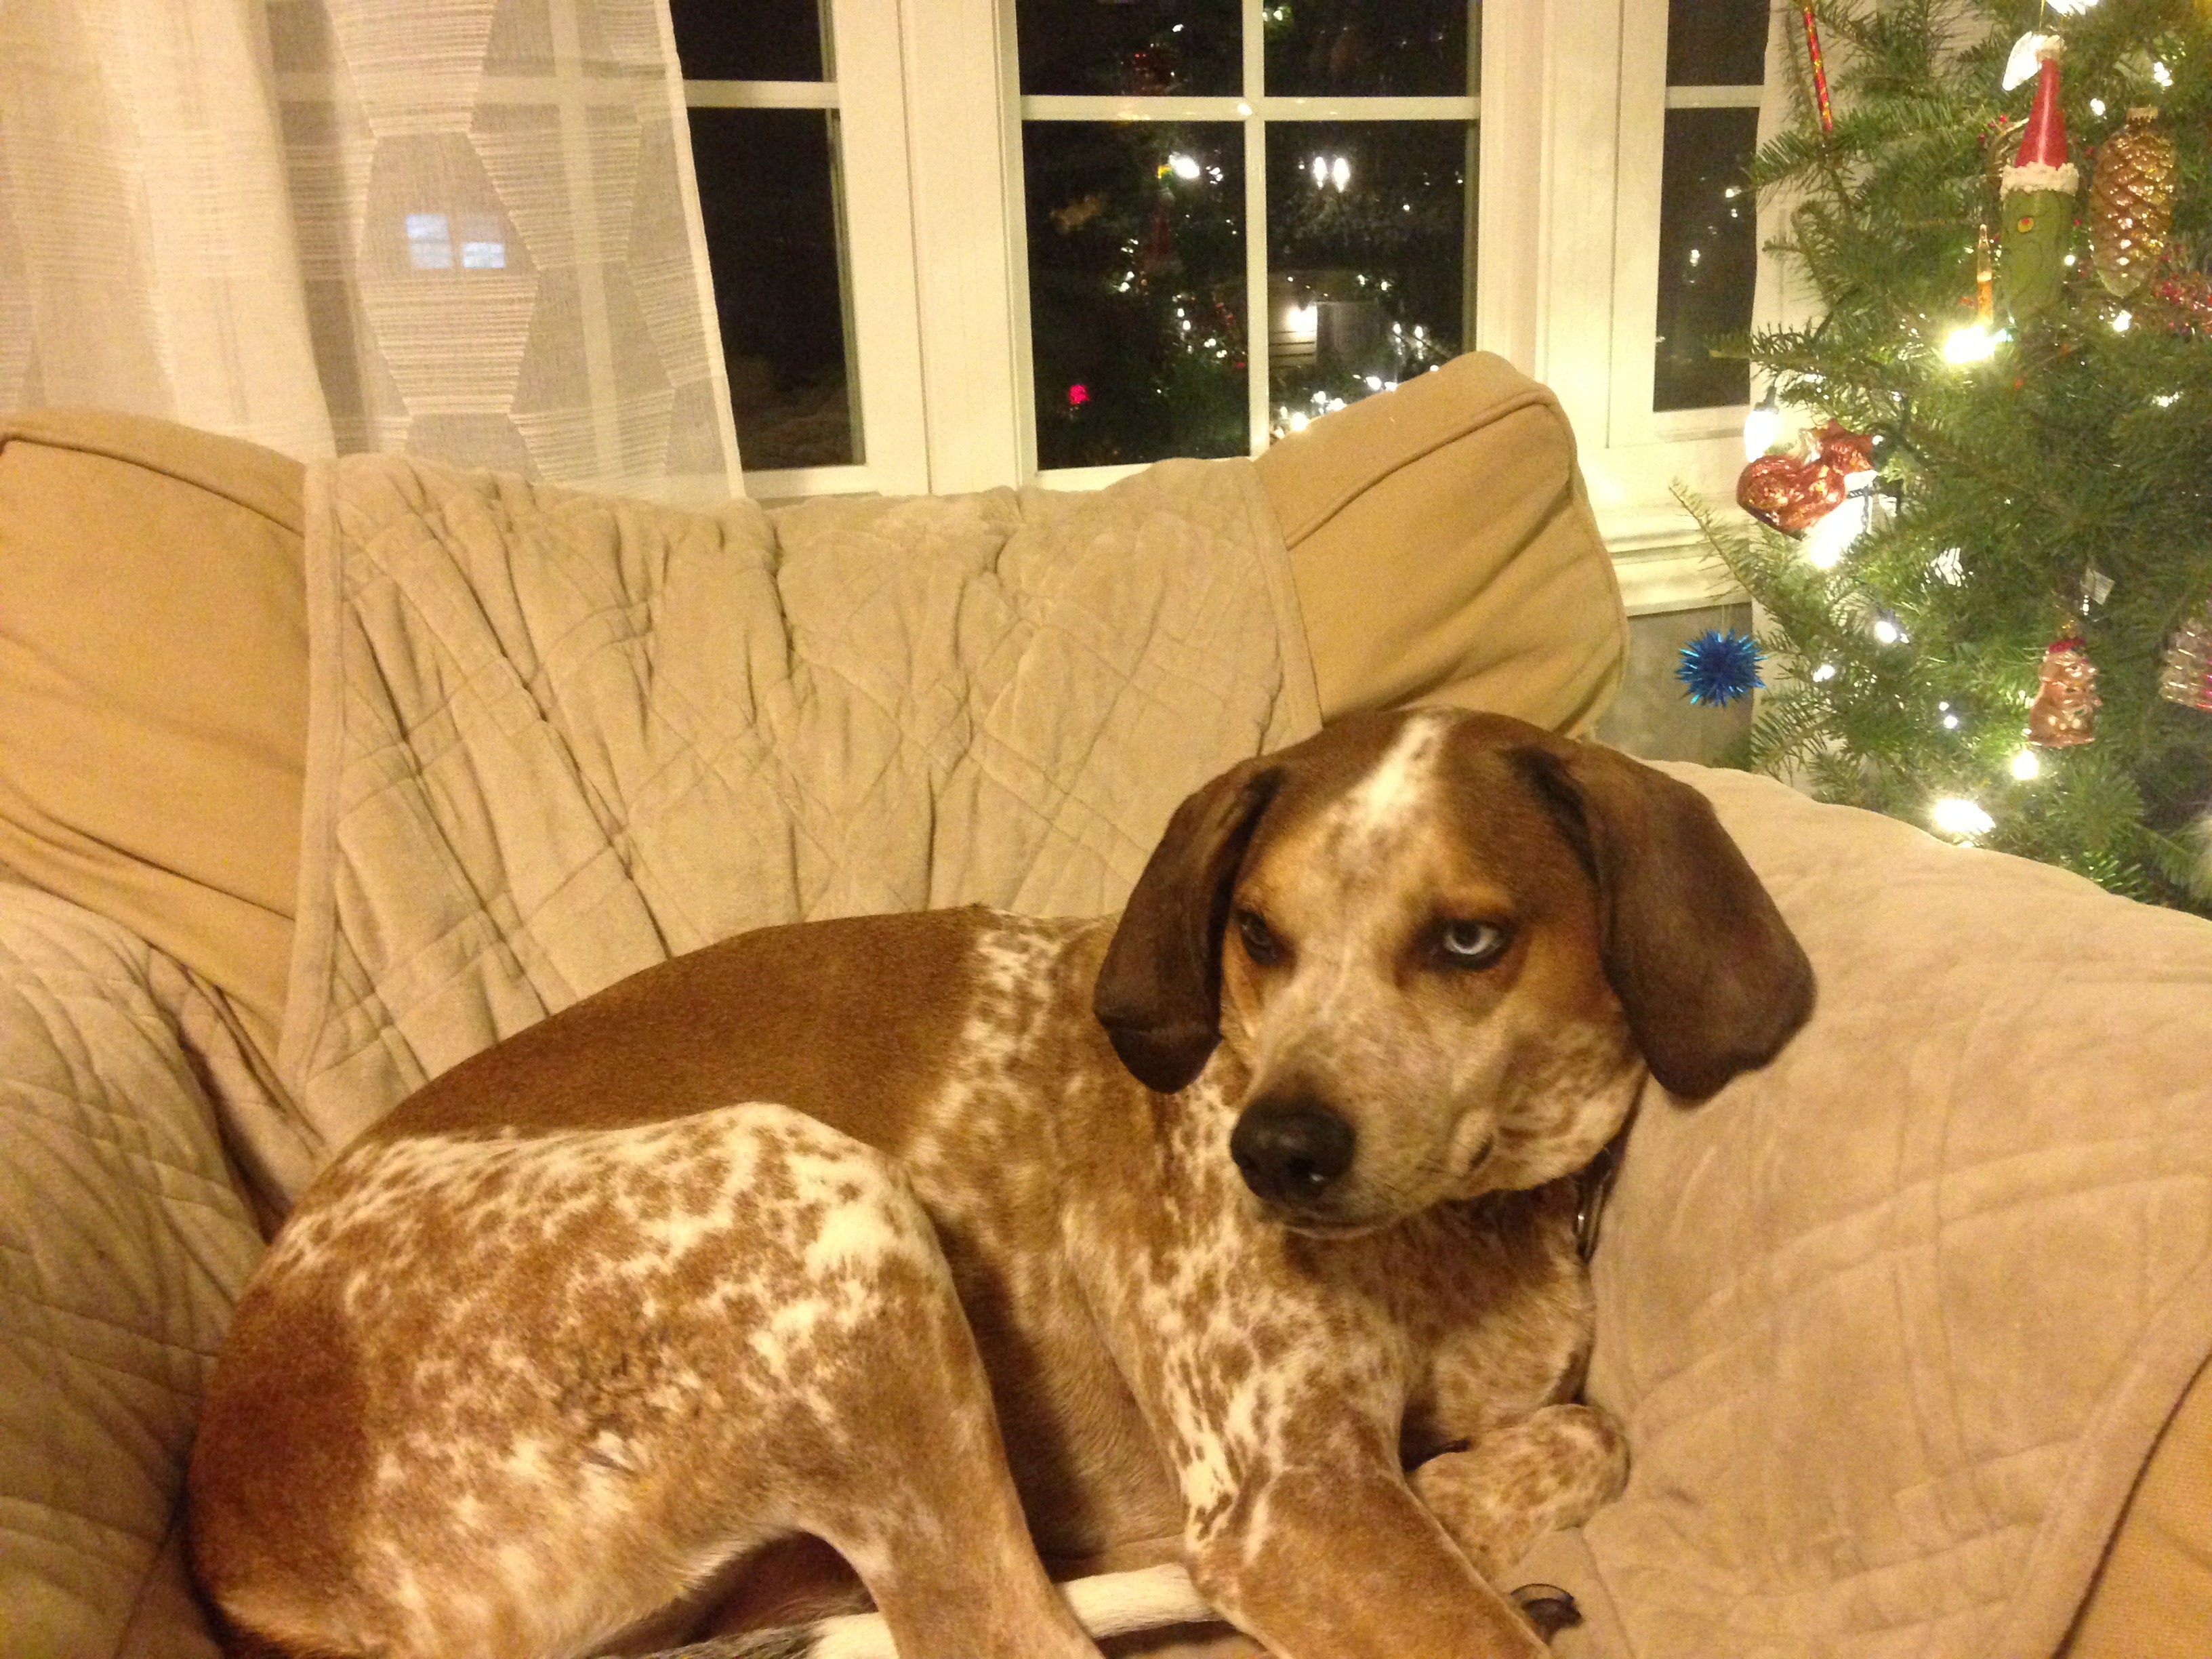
{"points": [[124, 1244], [555, 739], [1893, 1323]]}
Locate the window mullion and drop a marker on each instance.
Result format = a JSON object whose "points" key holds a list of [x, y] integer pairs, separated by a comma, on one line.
{"points": [[1639, 174], [883, 344], [1257, 319], [1714, 97], [964, 174], [1511, 183], [760, 94]]}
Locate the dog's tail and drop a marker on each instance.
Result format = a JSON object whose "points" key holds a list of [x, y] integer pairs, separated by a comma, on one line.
{"points": [[1112, 1604]]}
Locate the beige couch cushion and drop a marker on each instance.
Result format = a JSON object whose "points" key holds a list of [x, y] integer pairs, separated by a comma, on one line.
{"points": [[153, 688], [2152, 1598], [1444, 551], [152, 744]]}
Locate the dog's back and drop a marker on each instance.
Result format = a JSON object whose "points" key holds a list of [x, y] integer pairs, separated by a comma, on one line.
{"points": [[851, 1021]]}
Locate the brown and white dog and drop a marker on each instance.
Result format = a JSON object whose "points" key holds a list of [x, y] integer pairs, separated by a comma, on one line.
{"points": [[579, 1340]]}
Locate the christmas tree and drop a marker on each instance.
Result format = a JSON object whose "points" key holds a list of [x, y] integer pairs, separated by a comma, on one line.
{"points": [[1986, 580]]}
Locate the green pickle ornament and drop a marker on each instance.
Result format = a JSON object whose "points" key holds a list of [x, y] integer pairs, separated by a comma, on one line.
{"points": [[2037, 193]]}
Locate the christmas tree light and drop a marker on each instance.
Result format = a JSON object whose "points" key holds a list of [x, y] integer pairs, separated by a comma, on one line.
{"points": [[1762, 427], [1964, 818], [1972, 344]]}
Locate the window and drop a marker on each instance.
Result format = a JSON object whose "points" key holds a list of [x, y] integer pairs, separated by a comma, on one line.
{"points": [[1077, 235], [1691, 83], [1602, 161], [798, 150], [764, 140], [1708, 229], [1237, 215]]}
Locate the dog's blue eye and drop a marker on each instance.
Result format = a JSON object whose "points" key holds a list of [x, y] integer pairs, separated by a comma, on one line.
{"points": [[1472, 943]]}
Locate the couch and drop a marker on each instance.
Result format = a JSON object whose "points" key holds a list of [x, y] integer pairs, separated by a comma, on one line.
{"points": [[314, 780]]}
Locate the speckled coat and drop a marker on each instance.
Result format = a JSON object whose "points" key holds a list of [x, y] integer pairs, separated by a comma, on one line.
{"points": [[872, 1231]]}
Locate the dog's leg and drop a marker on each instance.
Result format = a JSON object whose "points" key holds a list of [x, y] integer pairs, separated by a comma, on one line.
{"points": [[902, 1469], [875, 1429], [1346, 1564], [1550, 1469]]}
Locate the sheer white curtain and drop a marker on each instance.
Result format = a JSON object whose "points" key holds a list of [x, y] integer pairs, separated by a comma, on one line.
{"points": [[147, 260], [459, 228]]}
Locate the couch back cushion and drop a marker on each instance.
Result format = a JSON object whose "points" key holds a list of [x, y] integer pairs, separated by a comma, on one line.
{"points": [[153, 641], [159, 787], [1444, 551]]}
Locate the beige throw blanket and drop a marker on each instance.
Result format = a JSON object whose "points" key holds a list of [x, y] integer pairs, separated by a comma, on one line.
{"points": [[555, 739], [1893, 1323]]}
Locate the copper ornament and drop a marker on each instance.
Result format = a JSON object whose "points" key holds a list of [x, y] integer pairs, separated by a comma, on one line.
{"points": [[1793, 493], [2065, 714]]}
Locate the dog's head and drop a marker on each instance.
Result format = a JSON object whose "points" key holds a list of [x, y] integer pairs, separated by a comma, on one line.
{"points": [[1445, 946]]}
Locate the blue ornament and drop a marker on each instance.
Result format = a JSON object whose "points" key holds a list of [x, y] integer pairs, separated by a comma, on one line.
{"points": [[1717, 668]]}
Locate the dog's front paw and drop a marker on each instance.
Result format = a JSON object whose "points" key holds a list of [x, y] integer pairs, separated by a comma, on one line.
{"points": [[1551, 1469]]}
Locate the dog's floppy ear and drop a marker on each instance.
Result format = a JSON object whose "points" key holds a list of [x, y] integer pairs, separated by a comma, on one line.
{"points": [[1158, 994], [1713, 980]]}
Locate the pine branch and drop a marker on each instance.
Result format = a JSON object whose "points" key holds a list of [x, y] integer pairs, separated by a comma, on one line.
{"points": [[2079, 450]]}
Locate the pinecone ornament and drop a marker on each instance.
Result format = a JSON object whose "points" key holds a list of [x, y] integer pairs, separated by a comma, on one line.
{"points": [[2185, 675], [2131, 203]]}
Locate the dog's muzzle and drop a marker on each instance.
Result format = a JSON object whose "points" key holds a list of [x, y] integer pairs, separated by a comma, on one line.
{"points": [[1291, 1151]]}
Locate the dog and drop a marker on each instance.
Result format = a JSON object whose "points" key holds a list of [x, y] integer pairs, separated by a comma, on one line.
{"points": [[1236, 1233]]}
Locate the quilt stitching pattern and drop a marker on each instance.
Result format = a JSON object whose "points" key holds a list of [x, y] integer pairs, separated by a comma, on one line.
{"points": [[510, 645]]}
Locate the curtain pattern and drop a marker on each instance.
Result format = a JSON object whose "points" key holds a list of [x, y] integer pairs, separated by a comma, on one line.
{"points": [[464, 224], [146, 259]]}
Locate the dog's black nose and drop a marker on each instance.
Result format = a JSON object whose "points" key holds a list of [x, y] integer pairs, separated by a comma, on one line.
{"points": [[1291, 1150]]}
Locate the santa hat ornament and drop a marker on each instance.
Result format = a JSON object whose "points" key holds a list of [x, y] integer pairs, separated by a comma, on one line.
{"points": [[2038, 189]]}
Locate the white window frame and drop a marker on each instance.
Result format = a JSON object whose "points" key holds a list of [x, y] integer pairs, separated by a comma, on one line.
{"points": [[1571, 151], [864, 83], [1572, 111], [1253, 113]]}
